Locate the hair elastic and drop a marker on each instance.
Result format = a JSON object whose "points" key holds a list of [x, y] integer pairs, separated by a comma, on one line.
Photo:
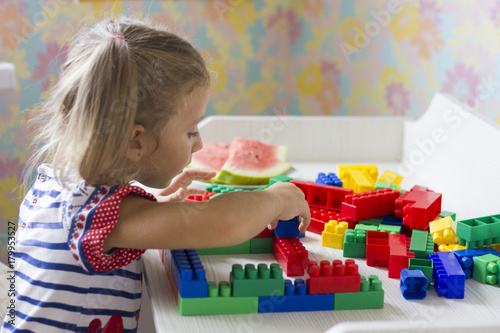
{"points": [[121, 37]]}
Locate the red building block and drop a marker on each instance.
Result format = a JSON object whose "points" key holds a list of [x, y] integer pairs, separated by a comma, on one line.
{"points": [[418, 207], [368, 205], [398, 254], [323, 196], [291, 254], [204, 197], [377, 248], [319, 217], [327, 278]]}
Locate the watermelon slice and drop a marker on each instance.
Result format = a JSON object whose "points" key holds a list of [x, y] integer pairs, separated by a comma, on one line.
{"points": [[251, 162], [243, 162]]}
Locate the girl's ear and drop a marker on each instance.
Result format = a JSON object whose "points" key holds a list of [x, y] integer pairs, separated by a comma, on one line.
{"points": [[136, 146]]}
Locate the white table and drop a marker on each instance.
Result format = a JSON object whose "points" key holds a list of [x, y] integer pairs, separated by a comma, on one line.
{"points": [[450, 149]]}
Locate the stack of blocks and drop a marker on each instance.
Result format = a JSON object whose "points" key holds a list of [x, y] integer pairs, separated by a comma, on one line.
{"points": [[251, 289]]}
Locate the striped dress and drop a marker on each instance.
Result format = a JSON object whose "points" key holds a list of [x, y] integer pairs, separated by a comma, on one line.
{"points": [[64, 281]]}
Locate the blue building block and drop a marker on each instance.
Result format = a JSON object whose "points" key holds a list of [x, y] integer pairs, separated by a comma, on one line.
{"points": [[330, 179], [189, 273], [448, 275], [466, 258], [412, 284], [392, 220], [296, 299], [288, 228]]}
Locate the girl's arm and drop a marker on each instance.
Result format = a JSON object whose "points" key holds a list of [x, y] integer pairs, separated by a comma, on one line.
{"points": [[225, 220]]}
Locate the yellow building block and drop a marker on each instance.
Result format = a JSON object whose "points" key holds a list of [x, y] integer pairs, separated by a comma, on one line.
{"points": [[370, 170], [333, 234], [442, 231], [357, 180], [451, 247], [392, 178]]}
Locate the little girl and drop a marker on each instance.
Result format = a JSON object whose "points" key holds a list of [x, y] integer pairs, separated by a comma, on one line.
{"points": [[126, 107]]}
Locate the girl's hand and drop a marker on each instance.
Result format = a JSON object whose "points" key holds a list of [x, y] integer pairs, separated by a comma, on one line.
{"points": [[178, 189], [293, 204]]}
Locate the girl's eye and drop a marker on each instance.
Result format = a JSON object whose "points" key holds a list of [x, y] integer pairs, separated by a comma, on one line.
{"points": [[193, 134]]}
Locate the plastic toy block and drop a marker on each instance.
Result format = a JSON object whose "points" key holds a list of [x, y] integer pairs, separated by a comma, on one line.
{"points": [[260, 281], [219, 188], [392, 229], [333, 235], [188, 272], [204, 197], [383, 185], [448, 276], [291, 254], [398, 255], [328, 179], [242, 248], [466, 258], [355, 244], [424, 265], [418, 207], [261, 245], [370, 296], [412, 284], [421, 244], [369, 205], [445, 213], [357, 180], [296, 299], [319, 217], [374, 221], [377, 248], [451, 247], [323, 196], [487, 268], [280, 178], [366, 227], [392, 220], [288, 228], [219, 301], [266, 233], [442, 232], [333, 278], [392, 178], [479, 232], [370, 170]]}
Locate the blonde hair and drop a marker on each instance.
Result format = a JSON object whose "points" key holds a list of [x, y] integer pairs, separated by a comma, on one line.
{"points": [[105, 87]]}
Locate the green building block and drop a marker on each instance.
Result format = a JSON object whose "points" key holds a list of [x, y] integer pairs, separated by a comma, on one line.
{"points": [[366, 227], [382, 185], [445, 213], [261, 245], [260, 281], [281, 178], [374, 221], [421, 244], [425, 265], [355, 244], [219, 301], [487, 269], [370, 296], [392, 229], [478, 232], [243, 248]]}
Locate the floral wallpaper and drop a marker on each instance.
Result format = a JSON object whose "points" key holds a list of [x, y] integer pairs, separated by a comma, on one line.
{"points": [[300, 57]]}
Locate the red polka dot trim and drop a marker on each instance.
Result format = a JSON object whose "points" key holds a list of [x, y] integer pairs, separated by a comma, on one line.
{"points": [[104, 220]]}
